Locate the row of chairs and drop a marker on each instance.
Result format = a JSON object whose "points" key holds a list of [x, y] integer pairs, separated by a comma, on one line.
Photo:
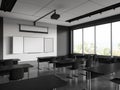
{"points": [[15, 74], [74, 69]]}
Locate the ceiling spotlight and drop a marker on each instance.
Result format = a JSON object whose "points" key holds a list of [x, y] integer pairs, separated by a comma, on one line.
{"points": [[55, 16]]}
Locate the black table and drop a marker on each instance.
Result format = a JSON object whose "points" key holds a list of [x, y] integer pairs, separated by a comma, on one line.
{"points": [[47, 82], [103, 70], [2, 61], [8, 68], [44, 59], [63, 63], [73, 63]]}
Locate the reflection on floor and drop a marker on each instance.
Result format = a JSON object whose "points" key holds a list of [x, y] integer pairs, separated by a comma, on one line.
{"points": [[76, 83]]}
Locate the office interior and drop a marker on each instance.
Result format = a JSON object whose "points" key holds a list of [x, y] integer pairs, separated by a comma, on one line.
{"points": [[35, 32]]}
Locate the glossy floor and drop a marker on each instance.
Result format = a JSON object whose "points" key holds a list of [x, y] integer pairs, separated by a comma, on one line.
{"points": [[76, 83]]}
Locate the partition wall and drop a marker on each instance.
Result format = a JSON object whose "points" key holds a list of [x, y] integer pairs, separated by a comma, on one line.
{"points": [[101, 39]]}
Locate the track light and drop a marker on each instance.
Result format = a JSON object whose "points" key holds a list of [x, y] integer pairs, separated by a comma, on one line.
{"points": [[114, 6], [53, 16]]}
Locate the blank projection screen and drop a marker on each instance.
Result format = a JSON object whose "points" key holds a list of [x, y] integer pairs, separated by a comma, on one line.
{"points": [[33, 45], [49, 46], [17, 45]]}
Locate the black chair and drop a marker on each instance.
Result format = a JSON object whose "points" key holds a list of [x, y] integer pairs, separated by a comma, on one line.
{"points": [[5, 63], [16, 74], [73, 68], [89, 63], [117, 82], [8, 62]]}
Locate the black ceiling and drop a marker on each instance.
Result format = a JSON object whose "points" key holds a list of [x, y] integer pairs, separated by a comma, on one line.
{"points": [[7, 5]]}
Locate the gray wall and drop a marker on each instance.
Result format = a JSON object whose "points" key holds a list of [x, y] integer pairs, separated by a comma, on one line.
{"points": [[62, 40], [1, 38]]}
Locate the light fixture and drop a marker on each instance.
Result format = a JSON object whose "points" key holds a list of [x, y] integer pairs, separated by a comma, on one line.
{"points": [[53, 16]]}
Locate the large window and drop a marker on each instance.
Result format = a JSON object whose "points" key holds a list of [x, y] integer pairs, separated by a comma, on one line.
{"points": [[103, 39], [77, 41], [116, 39], [89, 40]]}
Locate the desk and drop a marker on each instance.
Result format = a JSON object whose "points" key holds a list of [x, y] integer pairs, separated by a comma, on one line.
{"points": [[65, 63], [47, 82], [17, 66], [44, 59], [15, 61], [103, 70]]}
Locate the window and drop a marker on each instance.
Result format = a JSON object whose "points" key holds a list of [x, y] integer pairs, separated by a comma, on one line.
{"points": [[89, 40], [105, 42], [116, 39], [103, 39], [77, 41]]}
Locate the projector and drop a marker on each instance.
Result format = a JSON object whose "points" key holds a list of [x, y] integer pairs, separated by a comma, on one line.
{"points": [[55, 16]]}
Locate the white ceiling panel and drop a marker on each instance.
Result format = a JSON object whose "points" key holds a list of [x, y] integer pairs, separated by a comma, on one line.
{"points": [[25, 8], [17, 16], [36, 2], [62, 6], [106, 2], [29, 7], [65, 5], [81, 10], [68, 9]]}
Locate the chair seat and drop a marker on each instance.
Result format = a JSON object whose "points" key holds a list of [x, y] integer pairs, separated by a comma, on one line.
{"points": [[70, 68], [116, 80]]}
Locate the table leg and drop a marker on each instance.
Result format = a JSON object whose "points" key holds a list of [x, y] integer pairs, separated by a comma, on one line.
{"points": [[54, 88], [89, 80], [28, 73], [118, 87], [48, 65], [38, 69], [54, 68]]}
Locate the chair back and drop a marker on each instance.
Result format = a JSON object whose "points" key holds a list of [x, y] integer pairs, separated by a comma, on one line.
{"points": [[16, 74], [75, 65], [8, 62], [88, 63]]}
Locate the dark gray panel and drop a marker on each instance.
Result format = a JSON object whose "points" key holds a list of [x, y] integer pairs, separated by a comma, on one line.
{"points": [[1, 38], [63, 40]]}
